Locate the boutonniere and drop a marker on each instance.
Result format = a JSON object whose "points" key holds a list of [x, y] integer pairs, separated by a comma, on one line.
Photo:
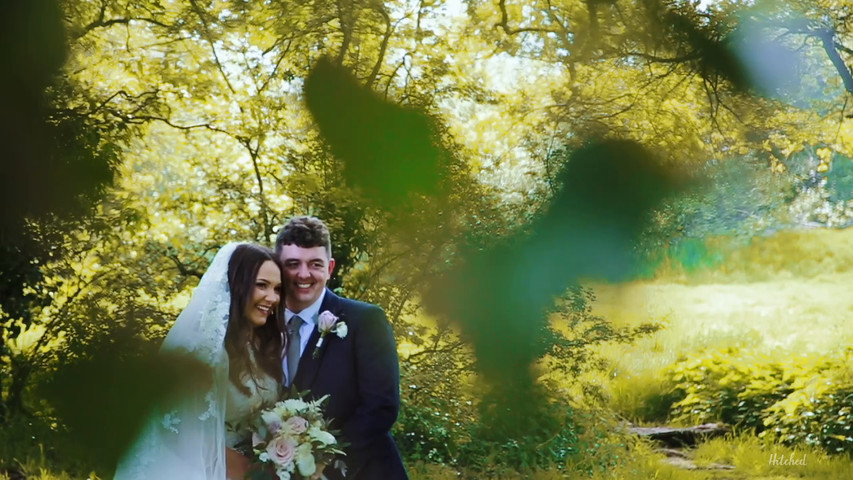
{"points": [[327, 323]]}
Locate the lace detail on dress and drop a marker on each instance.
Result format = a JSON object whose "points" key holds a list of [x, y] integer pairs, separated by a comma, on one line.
{"points": [[213, 329], [171, 421], [188, 441]]}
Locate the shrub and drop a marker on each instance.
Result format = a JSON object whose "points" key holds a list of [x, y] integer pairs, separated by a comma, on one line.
{"points": [[818, 412], [719, 386], [428, 433], [797, 401], [552, 437]]}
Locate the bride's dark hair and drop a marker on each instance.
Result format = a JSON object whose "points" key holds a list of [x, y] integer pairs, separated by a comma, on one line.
{"points": [[265, 341]]}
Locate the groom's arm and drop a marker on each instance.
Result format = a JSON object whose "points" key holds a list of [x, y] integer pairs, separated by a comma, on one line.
{"points": [[378, 372]]}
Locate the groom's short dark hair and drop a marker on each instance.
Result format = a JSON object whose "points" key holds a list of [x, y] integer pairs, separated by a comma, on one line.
{"points": [[306, 232]]}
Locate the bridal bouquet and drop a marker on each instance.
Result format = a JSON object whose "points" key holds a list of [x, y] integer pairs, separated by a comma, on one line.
{"points": [[293, 438]]}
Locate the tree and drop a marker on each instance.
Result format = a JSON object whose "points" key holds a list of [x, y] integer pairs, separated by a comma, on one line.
{"points": [[204, 103]]}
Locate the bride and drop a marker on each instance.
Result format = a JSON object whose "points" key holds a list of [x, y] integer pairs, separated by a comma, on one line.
{"points": [[233, 326]]}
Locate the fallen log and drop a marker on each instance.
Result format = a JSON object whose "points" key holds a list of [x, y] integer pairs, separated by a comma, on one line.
{"points": [[681, 436]]}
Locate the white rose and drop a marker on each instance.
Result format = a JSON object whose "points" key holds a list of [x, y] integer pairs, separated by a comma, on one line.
{"points": [[272, 421], [341, 331]]}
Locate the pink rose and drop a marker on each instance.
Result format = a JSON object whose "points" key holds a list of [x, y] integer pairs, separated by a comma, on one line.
{"points": [[326, 321], [297, 424], [282, 450]]}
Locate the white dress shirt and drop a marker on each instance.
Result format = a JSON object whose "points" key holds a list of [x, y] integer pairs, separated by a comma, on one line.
{"points": [[309, 318]]}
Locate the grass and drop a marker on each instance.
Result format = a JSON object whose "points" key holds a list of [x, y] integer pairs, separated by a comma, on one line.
{"points": [[39, 468], [752, 457], [776, 297]]}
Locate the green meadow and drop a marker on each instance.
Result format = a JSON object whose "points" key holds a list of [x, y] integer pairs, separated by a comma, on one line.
{"points": [[783, 300]]}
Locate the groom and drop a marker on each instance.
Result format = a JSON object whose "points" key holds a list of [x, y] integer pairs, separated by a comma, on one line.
{"points": [[360, 372]]}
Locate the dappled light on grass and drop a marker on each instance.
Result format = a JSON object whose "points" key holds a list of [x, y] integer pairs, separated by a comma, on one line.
{"points": [[759, 340]]}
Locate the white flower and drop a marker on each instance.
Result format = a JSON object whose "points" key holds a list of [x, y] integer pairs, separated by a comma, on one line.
{"points": [[290, 406], [341, 330], [272, 420], [305, 460], [291, 453], [321, 436]]}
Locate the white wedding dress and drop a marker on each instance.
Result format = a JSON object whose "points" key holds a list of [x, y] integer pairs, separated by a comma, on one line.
{"points": [[187, 440], [241, 409]]}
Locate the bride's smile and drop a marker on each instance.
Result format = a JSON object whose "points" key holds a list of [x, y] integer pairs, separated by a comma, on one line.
{"points": [[266, 294]]}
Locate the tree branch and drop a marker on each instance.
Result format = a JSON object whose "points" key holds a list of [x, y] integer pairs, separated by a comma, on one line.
{"points": [[829, 46], [504, 23], [682, 59], [183, 269], [347, 23], [101, 23], [207, 35], [389, 31]]}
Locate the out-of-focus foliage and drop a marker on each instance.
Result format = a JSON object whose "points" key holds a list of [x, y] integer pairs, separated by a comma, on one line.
{"points": [[471, 425], [57, 162], [201, 102]]}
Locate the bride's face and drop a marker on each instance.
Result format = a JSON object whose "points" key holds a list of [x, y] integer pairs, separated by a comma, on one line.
{"points": [[265, 295]]}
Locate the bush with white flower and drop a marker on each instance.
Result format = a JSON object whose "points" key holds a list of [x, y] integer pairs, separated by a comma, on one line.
{"points": [[294, 438]]}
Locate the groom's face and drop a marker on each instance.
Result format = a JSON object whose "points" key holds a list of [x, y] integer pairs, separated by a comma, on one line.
{"points": [[306, 271]]}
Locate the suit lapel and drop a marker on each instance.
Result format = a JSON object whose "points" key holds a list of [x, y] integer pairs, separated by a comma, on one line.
{"points": [[308, 365]]}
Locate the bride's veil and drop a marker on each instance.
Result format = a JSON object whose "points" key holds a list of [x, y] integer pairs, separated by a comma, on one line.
{"points": [[185, 439]]}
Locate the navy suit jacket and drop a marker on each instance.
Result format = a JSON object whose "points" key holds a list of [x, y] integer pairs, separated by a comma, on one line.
{"points": [[361, 375]]}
